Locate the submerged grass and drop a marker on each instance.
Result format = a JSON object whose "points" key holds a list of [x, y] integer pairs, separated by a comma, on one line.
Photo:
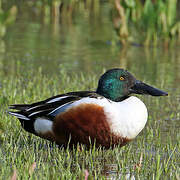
{"points": [[24, 156]]}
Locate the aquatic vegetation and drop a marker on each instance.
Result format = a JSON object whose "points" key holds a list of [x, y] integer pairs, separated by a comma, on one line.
{"points": [[153, 20], [25, 156], [147, 22], [6, 18]]}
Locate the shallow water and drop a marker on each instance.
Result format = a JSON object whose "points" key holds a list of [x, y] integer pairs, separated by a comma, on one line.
{"points": [[85, 42]]}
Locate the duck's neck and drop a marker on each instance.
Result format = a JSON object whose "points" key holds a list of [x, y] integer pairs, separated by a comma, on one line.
{"points": [[122, 98], [110, 95]]}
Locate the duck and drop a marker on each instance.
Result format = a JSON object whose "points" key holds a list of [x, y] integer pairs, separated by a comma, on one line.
{"points": [[110, 116]]}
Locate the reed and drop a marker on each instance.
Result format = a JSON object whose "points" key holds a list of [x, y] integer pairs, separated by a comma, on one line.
{"points": [[153, 21], [149, 22], [6, 17]]}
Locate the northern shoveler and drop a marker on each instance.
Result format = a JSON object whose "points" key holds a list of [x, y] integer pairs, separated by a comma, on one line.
{"points": [[108, 116]]}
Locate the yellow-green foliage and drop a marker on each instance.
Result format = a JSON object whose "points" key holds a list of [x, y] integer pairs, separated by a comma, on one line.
{"points": [[155, 20], [25, 156], [6, 18]]}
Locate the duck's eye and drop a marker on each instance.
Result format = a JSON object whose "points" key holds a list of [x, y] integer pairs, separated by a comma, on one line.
{"points": [[121, 78]]}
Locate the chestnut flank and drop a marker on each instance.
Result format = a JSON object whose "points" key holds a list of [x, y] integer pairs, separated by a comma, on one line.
{"points": [[85, 122]]}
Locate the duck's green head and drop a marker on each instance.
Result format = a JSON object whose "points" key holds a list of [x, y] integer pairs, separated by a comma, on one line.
{"points": [[118, 84]]}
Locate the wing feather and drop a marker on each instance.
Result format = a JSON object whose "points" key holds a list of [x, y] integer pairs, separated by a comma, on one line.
{"points": [[50, 107]]}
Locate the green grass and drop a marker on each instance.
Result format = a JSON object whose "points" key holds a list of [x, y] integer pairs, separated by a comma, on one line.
{"points": [[152, 155]]}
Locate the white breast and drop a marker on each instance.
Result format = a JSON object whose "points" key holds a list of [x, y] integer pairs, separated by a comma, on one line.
{"points": [[127, 118]]}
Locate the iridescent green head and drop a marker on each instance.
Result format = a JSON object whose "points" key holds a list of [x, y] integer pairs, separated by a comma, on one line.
{"points": [[118, 84]]}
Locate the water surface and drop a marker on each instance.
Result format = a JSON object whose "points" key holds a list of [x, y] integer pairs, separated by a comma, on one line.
{"points": [[86, 43]]}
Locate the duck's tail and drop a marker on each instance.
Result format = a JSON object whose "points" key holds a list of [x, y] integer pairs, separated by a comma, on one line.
{"points": [[19, 115], [19, 106], [20, 111]]}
